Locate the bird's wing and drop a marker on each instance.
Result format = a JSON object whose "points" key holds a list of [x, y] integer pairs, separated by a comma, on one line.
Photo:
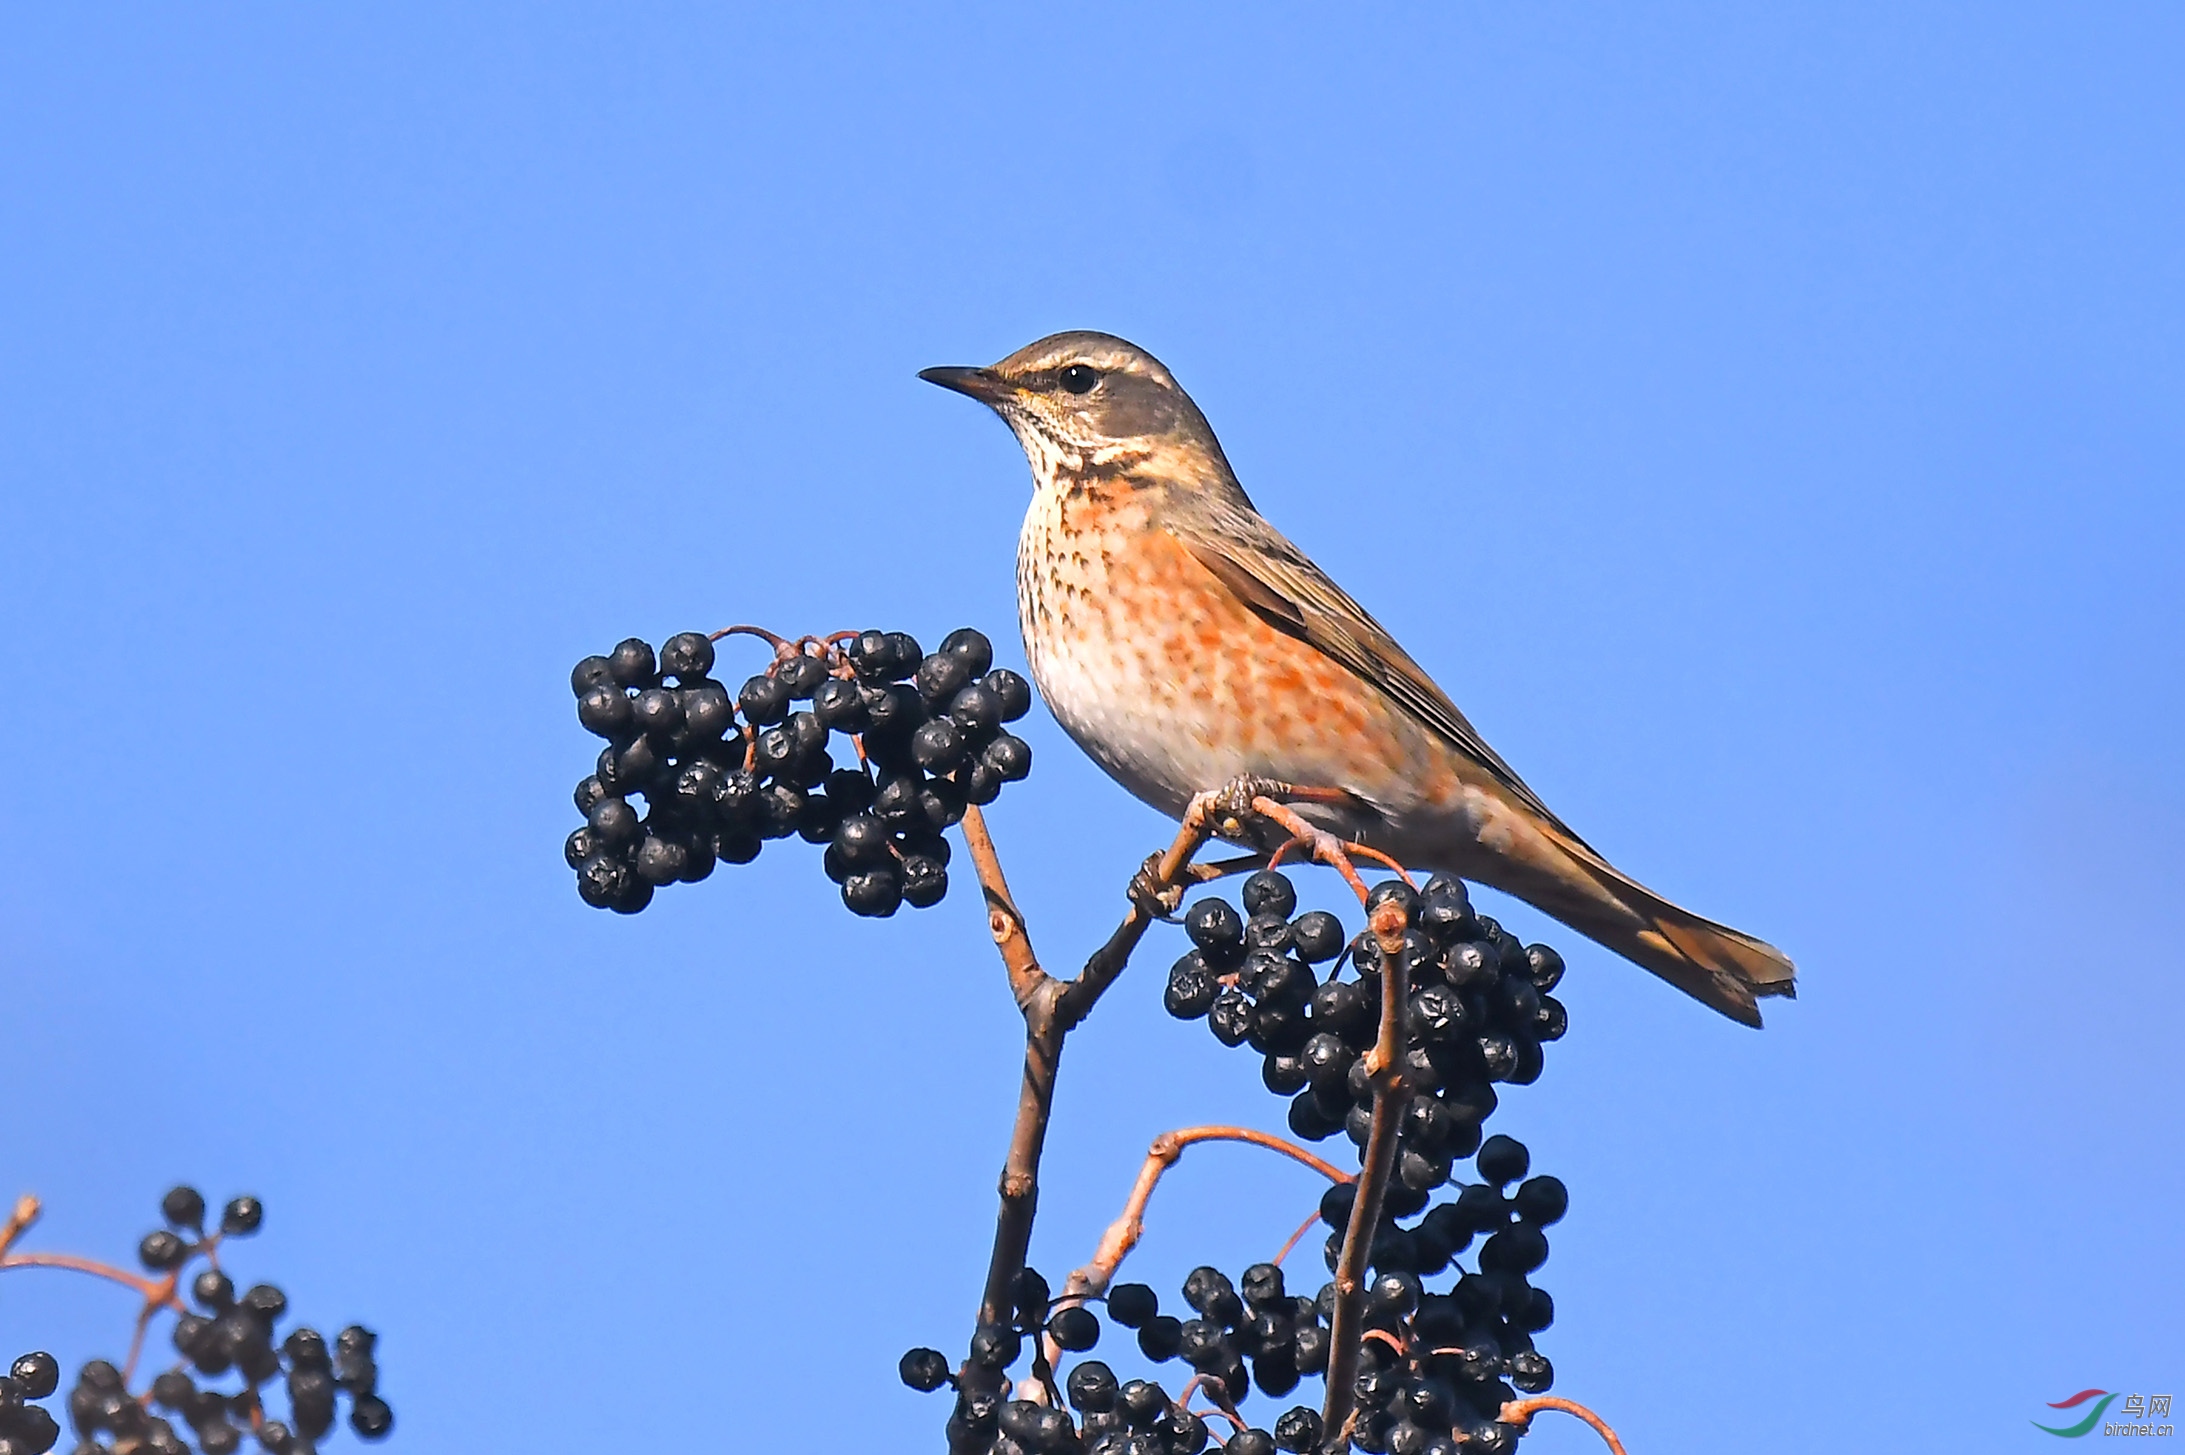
{"points": [[1284, 588]]}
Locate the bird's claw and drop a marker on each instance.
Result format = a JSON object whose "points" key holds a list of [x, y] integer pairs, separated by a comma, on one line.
{"points": [[1153, 898]]}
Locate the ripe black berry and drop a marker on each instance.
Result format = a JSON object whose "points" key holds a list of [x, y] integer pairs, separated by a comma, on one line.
{"points": [[1541, 1200], [589, 673], [1131, 1304], [1503, 1160], [969, 646], [604, 711], [1009, 757], [764, 700], [686, 656], [162, 1250], [182, 1207], [1214, 926], [1317, 936], [1160, 1337], [36, 1375], [631, 662], [370, 1417], [1250, 1442], [875, 893], [925, 1369], [242, 1216], [1075, 1328]]}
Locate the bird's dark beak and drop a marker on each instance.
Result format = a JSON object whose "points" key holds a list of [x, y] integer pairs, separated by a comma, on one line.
{"points": [[984, 385]]}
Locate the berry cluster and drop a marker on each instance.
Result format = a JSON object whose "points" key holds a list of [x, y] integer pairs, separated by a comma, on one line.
{"points": [[721, 775], [25, 1429], [1477, 1012], [226, 1333], [1438, 1365]]}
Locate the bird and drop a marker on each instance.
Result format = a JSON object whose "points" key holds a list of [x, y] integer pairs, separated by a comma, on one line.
{"points": [[1185, 644]]}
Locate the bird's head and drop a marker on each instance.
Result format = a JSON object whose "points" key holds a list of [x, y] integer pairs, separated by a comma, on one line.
{"points": [[1082, 399]]}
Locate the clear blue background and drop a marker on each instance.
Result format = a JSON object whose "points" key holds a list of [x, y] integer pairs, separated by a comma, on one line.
{"points": [[1775, 418]]}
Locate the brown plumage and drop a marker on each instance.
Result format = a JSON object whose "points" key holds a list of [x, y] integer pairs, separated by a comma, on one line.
{"points": [[1183, 642]]}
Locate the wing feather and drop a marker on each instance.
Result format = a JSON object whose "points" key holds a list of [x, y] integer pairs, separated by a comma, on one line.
{"points": [[1281, 585]]}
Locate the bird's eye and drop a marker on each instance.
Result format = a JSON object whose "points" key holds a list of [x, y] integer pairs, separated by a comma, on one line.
{"points": [[1080, 378]]}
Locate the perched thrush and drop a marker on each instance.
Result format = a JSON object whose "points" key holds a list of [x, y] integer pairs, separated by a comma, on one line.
{"points": [[1184, 643]]}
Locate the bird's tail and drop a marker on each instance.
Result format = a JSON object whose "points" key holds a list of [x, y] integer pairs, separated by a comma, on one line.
{"points": [[1712, 963]]}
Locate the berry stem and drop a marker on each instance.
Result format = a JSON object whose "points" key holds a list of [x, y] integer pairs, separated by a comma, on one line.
{"points": [[1130, 1225], [1519, 1412], [146, 1288], [1385, 1061]]}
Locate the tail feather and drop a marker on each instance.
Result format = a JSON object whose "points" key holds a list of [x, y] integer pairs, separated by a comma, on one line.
{"points": [[1714, 964]]}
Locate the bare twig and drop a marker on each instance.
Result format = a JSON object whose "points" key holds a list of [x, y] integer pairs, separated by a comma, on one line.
{"points": [[1519, 1412], [1092, 1279], [25, 1212], [157, 1293]]}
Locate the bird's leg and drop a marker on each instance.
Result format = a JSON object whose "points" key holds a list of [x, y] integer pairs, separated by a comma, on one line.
{"points": [[1326, 847]]}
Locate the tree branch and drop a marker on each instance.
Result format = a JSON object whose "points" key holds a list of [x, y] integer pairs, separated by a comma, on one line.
{"points": [[1385, 1062]]}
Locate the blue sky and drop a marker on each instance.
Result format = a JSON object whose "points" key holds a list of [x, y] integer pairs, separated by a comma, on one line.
{"points": [[1766, 422]]}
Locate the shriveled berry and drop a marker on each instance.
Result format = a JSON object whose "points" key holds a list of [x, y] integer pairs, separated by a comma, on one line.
{"points": [[1191, 988], [1298, 1430], [1317, 936], [1092, 1387], [1230, 1017], [937, 746], [1269, 891], [840, 706]]}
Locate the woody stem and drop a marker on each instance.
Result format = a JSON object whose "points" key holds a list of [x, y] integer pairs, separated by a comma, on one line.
{"points": [[1052, 1008]]}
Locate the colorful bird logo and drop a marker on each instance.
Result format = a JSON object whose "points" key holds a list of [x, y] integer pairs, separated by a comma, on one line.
{"points": [[2093, 1416]]}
